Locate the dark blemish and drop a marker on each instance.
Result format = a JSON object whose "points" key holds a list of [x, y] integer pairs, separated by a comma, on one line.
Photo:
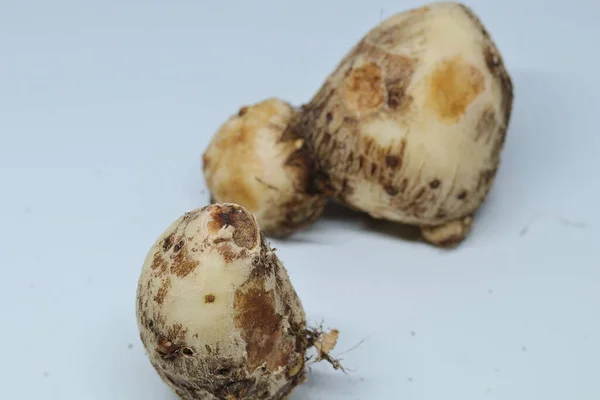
{"points": [[209, 298], [329, 117], [492, 60], [187, 351], [242, 111], [489, 175], [347, 189], [224, 371], [420, 193], [177, 332], [130, 346], [245, 233], [350, 160], [487, 124], [399, 71], [402, 150], [462, 195], [391, 190], [178, 246], [367, 143], [394, 98], [524, 349], [392, 161], [412, 333], [150, 324], [168, 243], [182, 264], [255, 317], [373, 168], [441, 214], [326, 138], [361, 161], [410, 379], [434, 184], [403, 185], [363, 89], [227, 252], [256, 261], [160, 264], [163, 291]]}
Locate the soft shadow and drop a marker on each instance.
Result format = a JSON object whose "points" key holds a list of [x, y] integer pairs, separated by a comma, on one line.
{"points": [[338, 214]]}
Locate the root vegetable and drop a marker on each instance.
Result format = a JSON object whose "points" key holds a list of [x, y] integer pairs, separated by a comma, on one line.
{"points": [[410, 125], [217, 312], [254, 161]]}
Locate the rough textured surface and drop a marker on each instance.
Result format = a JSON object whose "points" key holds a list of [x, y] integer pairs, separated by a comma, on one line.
{"points": [[410, 125], [255, 161], [217, 312]]}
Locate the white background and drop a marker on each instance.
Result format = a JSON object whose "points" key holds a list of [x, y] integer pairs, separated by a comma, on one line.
{"points": [[105, 110]]}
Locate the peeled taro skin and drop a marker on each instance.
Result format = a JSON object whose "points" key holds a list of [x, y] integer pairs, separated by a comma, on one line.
{"points": [[217, 312], [411, 124]]}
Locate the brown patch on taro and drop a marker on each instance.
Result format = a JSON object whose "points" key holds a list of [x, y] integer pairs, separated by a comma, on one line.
{"points": [[178, 246], [226, 251], [159, 265], [182, 264], [391, 190], [395, 161], [392, 161], [487, 124], [167, 242], [347, 189], [245, 230], [364, 89], [441, 214], [373, 169], [403, 185], [485, 178], [452, 87], [462, 195], [492, 59], [434, 184], [163, 291], [205, 161], [259, 326], [209, 298], [242, 111], [176, 332], [398, 75]]}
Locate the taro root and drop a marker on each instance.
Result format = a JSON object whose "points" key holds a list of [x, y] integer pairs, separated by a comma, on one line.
{"points": [[254, 161], [409, 127], [217, 312]]}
